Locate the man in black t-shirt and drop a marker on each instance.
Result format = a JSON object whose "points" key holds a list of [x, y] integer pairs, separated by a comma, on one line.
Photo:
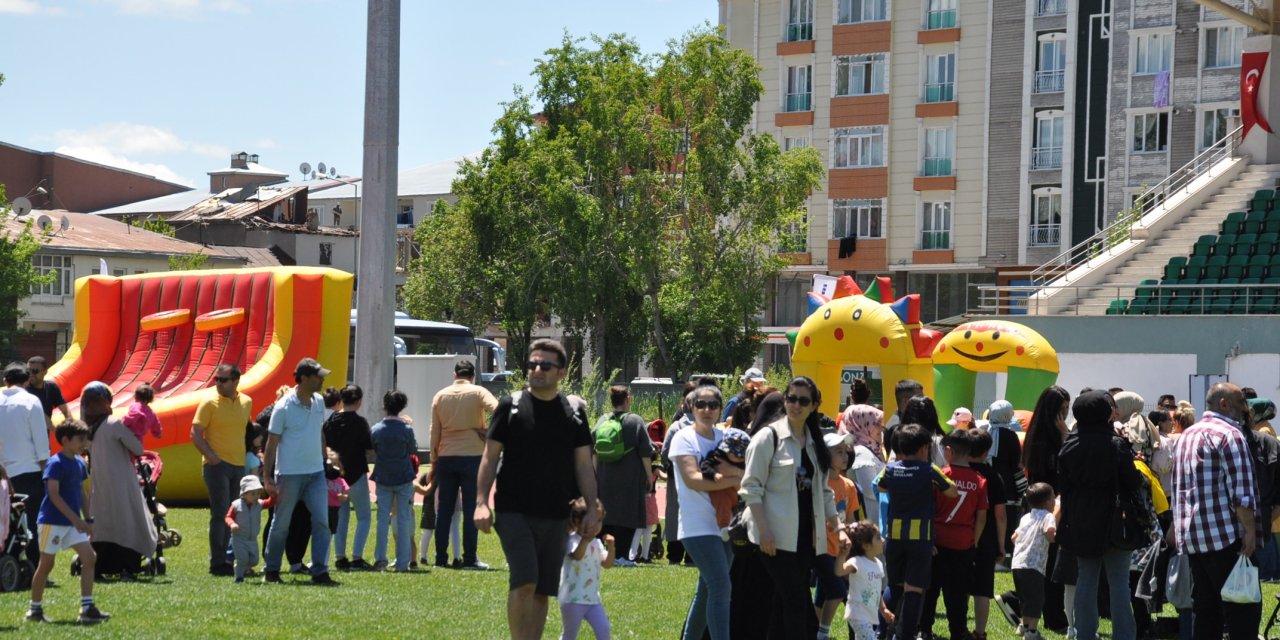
{"points": [[48, 391], [545, 447]]}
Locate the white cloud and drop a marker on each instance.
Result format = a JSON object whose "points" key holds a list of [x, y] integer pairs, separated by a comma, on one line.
{"points": [[102, 155], [178, 8], [28, 8], [133, 139]]}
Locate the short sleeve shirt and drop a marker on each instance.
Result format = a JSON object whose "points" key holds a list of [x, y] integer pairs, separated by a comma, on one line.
{"points": [[300, 450], [70, 472], [995, 496], [50, 396], [865, 589], [1031, 550], [580, 579], [910, 485], [538, 437], [222, 422], [957, 517], [697, 514], [846, 503]]}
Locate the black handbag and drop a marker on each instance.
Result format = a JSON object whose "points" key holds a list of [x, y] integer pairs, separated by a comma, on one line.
{"points": [[739, 541]]}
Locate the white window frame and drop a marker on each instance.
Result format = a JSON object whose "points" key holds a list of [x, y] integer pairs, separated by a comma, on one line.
{"points": [[1207, 122], [870, 68], [1147, 61], [1050, 7], [1225, 54], [62, 285], [1047, 232], [859, 147], [794, 77], [939, 150], [796, 142], [940, 8], [866, 217], [867, 11], [1140, 121], [939, 71], [1051, 62], [1047, 154], [799, 15], [936, 219]]}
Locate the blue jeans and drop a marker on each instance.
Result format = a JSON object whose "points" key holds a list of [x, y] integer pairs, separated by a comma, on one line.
{"points": [[453, 474], [1115, 563], [1267, 557], [710, 607], [359, 501], [399, 497], [313, 491]]}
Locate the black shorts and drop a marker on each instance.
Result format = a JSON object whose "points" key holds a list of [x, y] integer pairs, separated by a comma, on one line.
{"points": [[982, 582], [428, 520], [909, 562], [829, 585], [535, 550], [1030, 586]]}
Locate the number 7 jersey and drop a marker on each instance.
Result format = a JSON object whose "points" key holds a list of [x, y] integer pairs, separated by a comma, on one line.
{"points": [[956, 517]]}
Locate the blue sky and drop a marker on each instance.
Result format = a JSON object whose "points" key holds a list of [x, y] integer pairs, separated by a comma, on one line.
{"points": [[172, 87]]}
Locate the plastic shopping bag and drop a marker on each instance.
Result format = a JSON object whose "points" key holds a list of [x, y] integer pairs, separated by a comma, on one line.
{"points": [[1242, 585], [1178, 586]]}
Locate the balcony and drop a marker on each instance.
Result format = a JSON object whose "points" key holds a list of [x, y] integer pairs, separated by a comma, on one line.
{"points": [[1046, 158], [935, 240], [940, 19], [936, 167], [798, 102], [1045, 235], [1051, 7], [940, 92], [1050, 81], [799, 31]]}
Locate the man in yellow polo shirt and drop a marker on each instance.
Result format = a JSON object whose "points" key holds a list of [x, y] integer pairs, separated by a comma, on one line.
{"points": [[219, 433]]}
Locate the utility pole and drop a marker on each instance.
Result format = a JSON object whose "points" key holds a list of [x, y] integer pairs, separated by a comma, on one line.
{"points": [[376, 268]]}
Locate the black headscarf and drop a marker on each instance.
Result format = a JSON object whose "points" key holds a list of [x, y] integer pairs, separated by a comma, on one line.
{"points": [[1093, 411]]}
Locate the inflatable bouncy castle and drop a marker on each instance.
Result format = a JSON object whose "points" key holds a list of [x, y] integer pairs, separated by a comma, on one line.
{"points": [[171, 330]]}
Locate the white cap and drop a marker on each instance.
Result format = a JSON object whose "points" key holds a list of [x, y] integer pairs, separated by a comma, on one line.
{"points": [[833, 440], [961, 414], [752, 375]]}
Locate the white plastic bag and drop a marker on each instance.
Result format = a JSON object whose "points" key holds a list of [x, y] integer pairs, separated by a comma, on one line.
{"points": [[1178, 586], [1242, 585]]}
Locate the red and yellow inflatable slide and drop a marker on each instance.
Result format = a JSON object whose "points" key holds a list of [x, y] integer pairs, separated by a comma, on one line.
{"points": [[171, 330]]}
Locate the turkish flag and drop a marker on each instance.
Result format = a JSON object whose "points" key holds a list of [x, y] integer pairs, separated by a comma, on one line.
{"points": [[1252, 65]]}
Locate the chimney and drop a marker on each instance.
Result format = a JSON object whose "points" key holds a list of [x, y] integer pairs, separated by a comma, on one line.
{"points": [[241, 160]]}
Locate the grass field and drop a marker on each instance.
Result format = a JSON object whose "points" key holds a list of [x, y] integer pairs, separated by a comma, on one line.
{"points": [[645, 602]]}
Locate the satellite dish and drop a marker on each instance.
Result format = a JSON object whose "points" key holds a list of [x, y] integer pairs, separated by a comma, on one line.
{"points": [[44, 222], [65, 223], [305, 168], [21, 207], [322, 169], [333, 172]]}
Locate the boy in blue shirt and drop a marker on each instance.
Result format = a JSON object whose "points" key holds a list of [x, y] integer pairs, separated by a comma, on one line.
{"points": [[910, 482], [60, 523]]}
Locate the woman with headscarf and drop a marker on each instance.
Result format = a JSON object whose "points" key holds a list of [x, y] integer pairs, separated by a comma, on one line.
{"points": [[865, 424], [1094, 466], [123, 531], [1264, 411]]}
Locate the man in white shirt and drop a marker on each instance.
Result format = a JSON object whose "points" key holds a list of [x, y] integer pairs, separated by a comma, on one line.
{"points": [[25, 441]]}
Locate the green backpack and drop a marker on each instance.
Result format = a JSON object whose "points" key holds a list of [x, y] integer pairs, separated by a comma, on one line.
{"points": [[608, 439]]}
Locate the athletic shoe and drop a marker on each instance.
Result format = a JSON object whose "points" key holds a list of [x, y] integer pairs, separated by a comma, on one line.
{"points": [[323, 580], [457, 563], [222, 570], [475, 566], [342, 564], [299, 568], [37, 616], [1008, 607], [623, 562], [271, 576], [413, 566], [93, 616], [380, 565], [424, 562], [443, 564], [360, 565]]}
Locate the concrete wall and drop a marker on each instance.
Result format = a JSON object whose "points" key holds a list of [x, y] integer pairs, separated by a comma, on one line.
{"points": [[73, 184]]}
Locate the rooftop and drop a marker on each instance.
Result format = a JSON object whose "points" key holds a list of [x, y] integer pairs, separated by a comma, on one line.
{"points": [[89, 233], [171, 203], [431, 179]]}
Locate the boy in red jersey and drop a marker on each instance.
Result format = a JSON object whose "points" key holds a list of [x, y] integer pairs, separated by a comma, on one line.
{"points": [[958, 525]]}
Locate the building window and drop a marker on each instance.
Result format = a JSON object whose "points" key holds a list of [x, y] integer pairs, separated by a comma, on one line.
{"points": [[937, 151], [935, 229], [861, 75], [1046, 218], [1151, 132], [1051, 7], [850, 11], [795, 143], [859, 147], [119, 272], [940, 14], [326, 253], [800, 22], [940, 78], [61, 284], [1223, 47], [1215, 125], [1051, 63], [799, 89], [1154, 53], [405, 216], [863, 217], [1047, 153]]}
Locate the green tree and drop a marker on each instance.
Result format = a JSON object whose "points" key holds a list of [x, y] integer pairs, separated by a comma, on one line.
{"points": [[188, 261], [18, 274]]}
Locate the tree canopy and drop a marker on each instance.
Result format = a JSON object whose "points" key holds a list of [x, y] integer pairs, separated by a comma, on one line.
{"points": [[637, 207]]}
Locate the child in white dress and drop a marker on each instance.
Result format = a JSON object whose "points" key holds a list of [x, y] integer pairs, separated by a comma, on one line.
{"points": [[580, 576], [860, 560]]}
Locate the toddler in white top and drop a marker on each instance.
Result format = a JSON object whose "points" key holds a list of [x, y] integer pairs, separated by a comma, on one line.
{"points": [[580, 576], [860, 559], [1031, 554]]}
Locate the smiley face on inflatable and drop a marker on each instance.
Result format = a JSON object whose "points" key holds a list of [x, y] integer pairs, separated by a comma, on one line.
{"points": [[996, 346]]}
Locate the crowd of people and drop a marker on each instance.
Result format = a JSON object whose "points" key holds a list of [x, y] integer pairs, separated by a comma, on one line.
{"points": [[1100, 509]]}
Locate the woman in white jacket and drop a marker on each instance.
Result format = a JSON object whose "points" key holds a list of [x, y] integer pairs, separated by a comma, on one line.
{"points": [[790, 506]]}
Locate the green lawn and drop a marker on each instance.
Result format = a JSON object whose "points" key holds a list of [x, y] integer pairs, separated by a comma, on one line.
{"points": [[646, 602]]}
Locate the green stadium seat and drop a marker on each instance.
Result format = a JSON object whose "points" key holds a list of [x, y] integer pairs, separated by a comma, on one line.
{"points": [[1247, 240], [1224, 245], [1269, 236], [1118, 307], [1195, 267], [1214, 268], [1204, 245], [1236, 271], [1232, 223], [1271, 226], [1253, 221], [1255, 272], [1264, 248], [1173, 270]]}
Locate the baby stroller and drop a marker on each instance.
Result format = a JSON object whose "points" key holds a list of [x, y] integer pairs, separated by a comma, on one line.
{"points": [[15, 569], [114, 559]]}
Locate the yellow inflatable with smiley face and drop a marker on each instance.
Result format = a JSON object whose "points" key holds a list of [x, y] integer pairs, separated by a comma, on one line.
{"points": [[993, 346]]}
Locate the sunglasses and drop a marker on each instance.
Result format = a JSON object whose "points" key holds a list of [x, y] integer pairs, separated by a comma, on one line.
{"points": [[222, 379], [803, 401], [706, 404], [542, 365]]}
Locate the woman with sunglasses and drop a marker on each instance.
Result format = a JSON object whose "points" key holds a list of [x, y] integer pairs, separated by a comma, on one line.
{"points": [[697, 529], [790, 506]]}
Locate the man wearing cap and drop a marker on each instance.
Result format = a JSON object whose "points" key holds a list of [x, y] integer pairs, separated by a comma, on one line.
{"points": [[218, 433], [24, 445], [294, 470], [751, 380], [458, 428]]}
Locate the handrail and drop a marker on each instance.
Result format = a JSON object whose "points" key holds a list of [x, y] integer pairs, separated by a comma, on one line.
{"points": [[1020, 299], [1146, 203]]}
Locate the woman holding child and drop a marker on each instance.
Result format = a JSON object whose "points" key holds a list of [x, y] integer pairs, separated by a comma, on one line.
{"points": [[790, 506]]}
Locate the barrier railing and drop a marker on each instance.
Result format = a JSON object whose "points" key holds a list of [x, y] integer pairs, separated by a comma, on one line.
{"points": [[1144, 299]]}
